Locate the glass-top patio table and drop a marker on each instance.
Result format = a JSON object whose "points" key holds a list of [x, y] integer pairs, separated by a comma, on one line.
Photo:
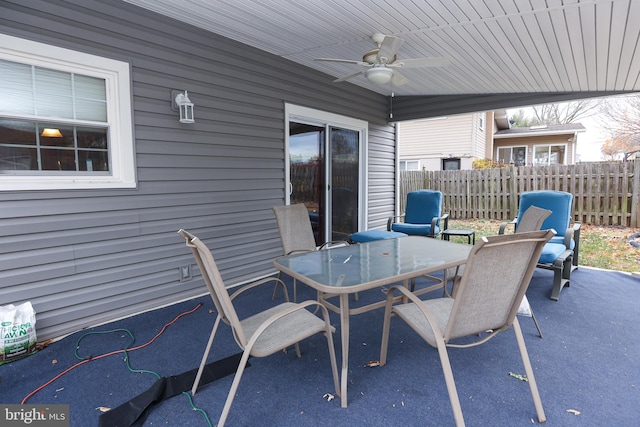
{"points": [[349, 269]]}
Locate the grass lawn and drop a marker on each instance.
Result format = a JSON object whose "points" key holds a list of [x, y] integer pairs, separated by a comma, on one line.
{"points": [[600, 246]]}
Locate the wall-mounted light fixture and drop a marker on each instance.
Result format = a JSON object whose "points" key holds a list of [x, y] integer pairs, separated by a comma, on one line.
{"points": [[51, 133], [180, 101]]}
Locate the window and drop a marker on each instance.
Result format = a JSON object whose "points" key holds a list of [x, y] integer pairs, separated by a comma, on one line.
{"points": [[451, 164], [549, 154], [481, 121], [65, 119], [409, 165], [513, 155]]}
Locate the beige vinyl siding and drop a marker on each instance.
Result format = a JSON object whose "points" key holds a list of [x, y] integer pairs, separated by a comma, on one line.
{"points": [[435, 137], [431, 140]]}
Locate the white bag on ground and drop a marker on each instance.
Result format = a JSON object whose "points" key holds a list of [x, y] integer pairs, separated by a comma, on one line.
{"points": [[525, 308], [17, 331]]}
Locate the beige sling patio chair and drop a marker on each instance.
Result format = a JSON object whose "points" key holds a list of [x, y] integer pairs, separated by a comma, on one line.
{"points": [[296, 233], [495, 278], [261, 334], [531, 220]]}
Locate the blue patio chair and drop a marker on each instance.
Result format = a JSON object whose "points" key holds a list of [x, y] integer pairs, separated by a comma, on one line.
{"points": [[561, 253], [423, 215]]}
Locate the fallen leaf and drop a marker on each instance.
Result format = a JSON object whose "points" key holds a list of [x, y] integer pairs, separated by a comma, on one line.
{"points": [[103, 409], [54, 361], [520, 377], [373, 363], [44, 344], [329, 397], [573, 411]]}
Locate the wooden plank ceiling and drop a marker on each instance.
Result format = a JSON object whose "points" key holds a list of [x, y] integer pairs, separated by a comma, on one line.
{"points": [[495, 46]]}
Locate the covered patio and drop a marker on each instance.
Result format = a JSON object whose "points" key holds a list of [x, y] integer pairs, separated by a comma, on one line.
{"points": [[586, 367], [91, 247]]}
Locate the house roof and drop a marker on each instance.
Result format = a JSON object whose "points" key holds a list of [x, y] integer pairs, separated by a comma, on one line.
{"points": [[577, 48], [569, 129]]}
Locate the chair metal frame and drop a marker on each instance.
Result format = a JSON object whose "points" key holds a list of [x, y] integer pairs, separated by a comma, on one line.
{"points": [[263, 333], [486, 304], [296, 234]]}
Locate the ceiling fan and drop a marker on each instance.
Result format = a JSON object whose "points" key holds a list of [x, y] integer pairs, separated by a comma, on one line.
{"points": [[382, 63]]}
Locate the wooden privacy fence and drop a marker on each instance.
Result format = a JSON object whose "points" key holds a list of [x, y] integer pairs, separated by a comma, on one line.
{"points": [[604, 193]]}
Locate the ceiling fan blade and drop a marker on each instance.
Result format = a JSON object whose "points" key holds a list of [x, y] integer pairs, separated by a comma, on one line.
{"points": [[346, 61], [398, 79], [388, 49], [422, 62], [341, 79]]}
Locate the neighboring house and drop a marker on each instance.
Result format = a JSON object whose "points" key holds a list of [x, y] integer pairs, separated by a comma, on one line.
{"points": [[444, 143], [454, 142], [538, 145]]}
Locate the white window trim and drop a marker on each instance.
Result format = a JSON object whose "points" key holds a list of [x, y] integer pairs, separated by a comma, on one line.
{"points": [[566, 150], [119, 114], [526, 151], [411, 160]]}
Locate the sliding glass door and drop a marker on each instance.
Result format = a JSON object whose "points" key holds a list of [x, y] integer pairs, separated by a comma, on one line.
{"points": [[325, 174]]}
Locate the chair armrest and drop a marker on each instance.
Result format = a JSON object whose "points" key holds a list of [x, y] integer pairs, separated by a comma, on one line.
{"points": [[332, 243], [261, 282], [406, 293], [444, 218], [504, 225], [572, 233], [576, 242], [393, 219], [299, 251]]}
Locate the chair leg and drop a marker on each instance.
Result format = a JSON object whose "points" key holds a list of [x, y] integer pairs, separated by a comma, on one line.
{"points": [[384, 346], [275, 289], [535, 322], [561, 276], [533, 386], [297, 347], [334, 364], [451, 383], [205, 355], [234, 388]]}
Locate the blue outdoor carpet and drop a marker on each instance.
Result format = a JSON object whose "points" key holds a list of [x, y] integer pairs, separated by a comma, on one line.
{"points": [[587, 367]]}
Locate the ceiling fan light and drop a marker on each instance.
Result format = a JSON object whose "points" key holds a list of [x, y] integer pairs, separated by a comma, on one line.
{"points": [[379, 75]]}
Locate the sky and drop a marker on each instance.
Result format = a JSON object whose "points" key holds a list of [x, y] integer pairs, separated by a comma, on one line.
{"points": [[589, 142]]}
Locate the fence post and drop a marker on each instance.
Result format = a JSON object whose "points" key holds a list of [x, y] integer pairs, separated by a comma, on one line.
{"points": [[635, 196], [513, 193]]}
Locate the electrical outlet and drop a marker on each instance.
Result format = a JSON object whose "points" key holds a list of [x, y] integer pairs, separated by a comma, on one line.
{"points": [[185, 272]]}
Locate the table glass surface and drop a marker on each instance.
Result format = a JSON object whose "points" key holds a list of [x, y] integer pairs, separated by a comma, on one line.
{"points": [[374, 262]]}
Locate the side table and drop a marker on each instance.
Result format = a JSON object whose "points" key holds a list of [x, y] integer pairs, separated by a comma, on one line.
{"points": [[470, 235]]}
